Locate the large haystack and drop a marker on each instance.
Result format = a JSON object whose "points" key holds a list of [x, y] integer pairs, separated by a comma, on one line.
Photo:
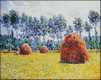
{"points": [[73, 49]]}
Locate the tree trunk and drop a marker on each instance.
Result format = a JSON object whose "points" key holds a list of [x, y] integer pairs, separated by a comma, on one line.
{"points": [[96, 46], [80, 33], [0, 30], [90, 39]]}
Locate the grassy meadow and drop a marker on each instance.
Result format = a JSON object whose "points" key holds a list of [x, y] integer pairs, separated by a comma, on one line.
{"points": [[47, 66]]}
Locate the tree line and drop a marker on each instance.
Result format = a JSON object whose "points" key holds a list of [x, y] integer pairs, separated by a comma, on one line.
{"points": [[55, 27]]}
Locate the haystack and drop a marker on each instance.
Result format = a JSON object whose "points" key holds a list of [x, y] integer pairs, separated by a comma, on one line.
{"points": [[43, 49], [25, 49], [73, 49]]}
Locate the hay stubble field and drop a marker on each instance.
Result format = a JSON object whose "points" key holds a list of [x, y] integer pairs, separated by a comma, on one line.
{"points": [[47, 66]]}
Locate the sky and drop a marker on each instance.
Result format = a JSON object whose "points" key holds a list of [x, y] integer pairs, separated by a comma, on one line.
{"points": [[49, 8], [69, 9]]}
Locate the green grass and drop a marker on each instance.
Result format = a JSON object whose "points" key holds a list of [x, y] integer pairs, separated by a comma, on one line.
{"points": [[44, 66]]}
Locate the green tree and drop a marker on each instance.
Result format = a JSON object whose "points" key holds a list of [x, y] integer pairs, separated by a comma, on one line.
{"points": [[70, 29], [6, 19], [94, 18], [78, 25], [24, 18], [13, 18], [88, 28], [44, 25], [0, 24]]}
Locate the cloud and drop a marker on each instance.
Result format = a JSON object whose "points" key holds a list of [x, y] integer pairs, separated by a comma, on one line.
{"points": [[48, 8]]}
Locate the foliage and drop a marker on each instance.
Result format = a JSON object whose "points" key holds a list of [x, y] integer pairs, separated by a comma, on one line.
{"points": [[7, 43], [78, 25], [94, 17], [55, 27], [6, 18], [13, 17]]}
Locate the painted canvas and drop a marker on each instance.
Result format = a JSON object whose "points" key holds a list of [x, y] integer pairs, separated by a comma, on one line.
{"points": [[48, 39]]}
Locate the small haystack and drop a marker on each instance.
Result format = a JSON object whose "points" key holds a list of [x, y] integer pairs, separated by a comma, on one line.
{"points": [[25, 49], [43, 49]]}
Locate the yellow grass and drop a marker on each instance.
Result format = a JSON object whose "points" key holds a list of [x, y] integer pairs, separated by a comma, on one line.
{"points": [[47, 66]]}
